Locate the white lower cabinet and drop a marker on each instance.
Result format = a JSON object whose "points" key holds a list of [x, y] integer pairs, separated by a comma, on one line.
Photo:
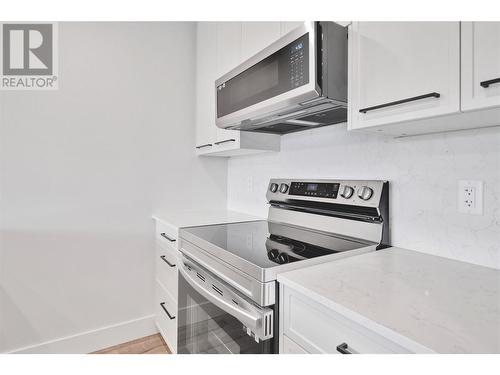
{"points": [[166, 235], [309, 327], [166, 282], [166, 269], [167, 257], [291, 347], [166, 316]]}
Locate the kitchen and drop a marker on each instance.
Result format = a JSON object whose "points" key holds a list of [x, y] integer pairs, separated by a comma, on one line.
{"points": [[154, 193]]}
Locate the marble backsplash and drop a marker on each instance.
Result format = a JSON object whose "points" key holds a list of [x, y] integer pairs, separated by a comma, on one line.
{"points": [[423, 172]]}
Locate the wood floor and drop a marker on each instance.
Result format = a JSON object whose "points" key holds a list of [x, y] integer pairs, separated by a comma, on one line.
{"points": [[153, 344]]}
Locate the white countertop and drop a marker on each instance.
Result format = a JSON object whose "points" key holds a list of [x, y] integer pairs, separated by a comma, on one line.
{"points": [[444, 305], [182, 219]]}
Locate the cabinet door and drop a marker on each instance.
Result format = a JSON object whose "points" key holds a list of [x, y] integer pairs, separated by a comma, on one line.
{"points": [[228, 46], [402, 71], [480, 65], [289, 26], [166, 317], [228, 57], [256, 36], [318, 329], [206, 65], [291, 347]]}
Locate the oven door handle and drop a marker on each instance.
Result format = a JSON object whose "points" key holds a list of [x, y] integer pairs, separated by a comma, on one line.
{"points": [[248, 318]]}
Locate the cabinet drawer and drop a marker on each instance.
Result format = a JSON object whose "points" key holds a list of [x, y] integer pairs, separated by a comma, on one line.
{"points": [[166, 235], [320, 330], [166, 317], [166, 269], [291, 347]]}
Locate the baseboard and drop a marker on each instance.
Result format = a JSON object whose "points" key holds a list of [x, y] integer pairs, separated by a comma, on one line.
{"points": [[94, 340]]}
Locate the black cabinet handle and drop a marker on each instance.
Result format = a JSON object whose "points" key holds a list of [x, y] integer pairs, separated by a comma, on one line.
{"points": [[225, 141], [166, 311], [486, 84], [430, 95], [205, 145], [166, 261], [167, 237], [342, 348]]}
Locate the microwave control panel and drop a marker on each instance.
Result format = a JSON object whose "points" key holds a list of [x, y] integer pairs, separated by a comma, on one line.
{"points": [[298, 62]]}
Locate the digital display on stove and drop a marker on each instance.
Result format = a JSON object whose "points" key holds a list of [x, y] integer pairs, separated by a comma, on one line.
{"points": [[312, 187], [315, 189]]}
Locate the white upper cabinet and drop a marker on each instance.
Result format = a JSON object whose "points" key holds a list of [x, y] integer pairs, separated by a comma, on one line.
{"points": [[401, 71], [219, 49], [228, 49], [228, 46], [480, 65], [206, 130], [256, 36], [289, 26]]}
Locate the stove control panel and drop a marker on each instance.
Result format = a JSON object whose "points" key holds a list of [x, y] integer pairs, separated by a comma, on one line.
{"points": [[352, 192], [315, 189]]}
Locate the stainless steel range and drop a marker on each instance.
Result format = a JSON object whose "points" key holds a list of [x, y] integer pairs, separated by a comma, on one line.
{"points": [[227, 280]]}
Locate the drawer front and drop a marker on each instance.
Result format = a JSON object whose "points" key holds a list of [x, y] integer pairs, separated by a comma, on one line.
{"points": [[291, 347], [166, 235], [166, 317], [321, 330], [166, 269]]}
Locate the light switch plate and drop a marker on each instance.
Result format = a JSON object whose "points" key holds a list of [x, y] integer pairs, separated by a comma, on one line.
{"points": [[470, 197]]}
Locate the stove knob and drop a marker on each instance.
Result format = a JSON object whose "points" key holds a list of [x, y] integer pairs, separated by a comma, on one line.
{"points": [[283, 258], [347, 192], [365, 193], [273, 188], [273, 254], [283, 188]]}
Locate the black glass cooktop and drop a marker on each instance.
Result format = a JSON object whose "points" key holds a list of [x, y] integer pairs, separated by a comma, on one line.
{"points": [[268, 244]]}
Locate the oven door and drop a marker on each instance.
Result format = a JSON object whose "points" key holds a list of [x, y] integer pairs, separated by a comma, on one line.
{"points": [[215, 318], [278, 78]]}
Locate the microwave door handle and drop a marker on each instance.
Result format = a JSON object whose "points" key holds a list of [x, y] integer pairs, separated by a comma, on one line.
{"points": [[246, 317]]}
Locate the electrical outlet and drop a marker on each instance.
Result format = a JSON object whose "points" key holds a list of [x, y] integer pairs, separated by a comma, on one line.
{"points": [[470, 197]]}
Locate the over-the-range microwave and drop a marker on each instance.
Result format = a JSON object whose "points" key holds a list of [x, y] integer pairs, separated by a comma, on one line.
{"points": [[298, 82]]}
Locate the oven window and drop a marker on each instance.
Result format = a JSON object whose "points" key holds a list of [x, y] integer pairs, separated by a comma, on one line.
{"points": [[206, 329], [284, 70]]}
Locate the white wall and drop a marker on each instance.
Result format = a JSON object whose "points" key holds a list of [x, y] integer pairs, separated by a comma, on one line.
{"points": [[83, 168], [423, 172]]}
